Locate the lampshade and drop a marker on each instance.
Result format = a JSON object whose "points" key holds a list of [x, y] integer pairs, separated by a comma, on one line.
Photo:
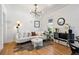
{"points": [[18, 22]]}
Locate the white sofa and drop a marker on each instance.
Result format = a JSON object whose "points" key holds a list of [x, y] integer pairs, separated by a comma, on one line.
{"points": [[21, 37]]}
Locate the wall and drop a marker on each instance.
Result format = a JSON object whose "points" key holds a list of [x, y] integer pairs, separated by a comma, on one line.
{"points": [[69, 12], [1, 43], [71, 15], [15, 13], [27, 23], [4, 14]]}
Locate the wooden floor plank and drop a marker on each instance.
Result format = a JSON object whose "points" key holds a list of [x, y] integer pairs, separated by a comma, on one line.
{"points": [[54, 49]]}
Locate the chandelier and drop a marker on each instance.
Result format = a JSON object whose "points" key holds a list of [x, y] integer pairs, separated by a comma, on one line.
{"points": [[35, 12]]}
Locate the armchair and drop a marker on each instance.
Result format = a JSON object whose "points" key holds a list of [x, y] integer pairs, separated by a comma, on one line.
{"points": [[74, 47]]}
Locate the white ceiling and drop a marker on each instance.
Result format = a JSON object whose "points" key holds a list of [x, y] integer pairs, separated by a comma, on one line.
{"points": [[20, 10], [28, 7], [25, 7]]}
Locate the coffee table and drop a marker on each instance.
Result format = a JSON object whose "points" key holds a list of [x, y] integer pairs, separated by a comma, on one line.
{"points": [[37, 42]]}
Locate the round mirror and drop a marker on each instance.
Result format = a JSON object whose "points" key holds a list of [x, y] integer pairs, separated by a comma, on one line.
{"points": [[61, 21]]}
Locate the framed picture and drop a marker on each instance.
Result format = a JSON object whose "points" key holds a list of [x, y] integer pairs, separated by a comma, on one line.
{"points": [[36, 24], [50, 20]]}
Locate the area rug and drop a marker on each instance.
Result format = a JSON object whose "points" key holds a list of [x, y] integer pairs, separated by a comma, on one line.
{"points": [[28, 46]]}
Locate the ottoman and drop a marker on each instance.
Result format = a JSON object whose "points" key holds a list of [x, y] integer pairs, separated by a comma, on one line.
{"points": [[37, 42]]}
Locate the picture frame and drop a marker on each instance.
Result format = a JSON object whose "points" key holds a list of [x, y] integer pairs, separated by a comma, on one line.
{"points": [[36, 24], [50, 20]]}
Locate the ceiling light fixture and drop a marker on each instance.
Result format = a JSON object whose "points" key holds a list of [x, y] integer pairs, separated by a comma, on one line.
{"points": [[35, 12]]}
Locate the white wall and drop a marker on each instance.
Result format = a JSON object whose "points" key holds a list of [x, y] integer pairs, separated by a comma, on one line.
{"points": [[69, 12], [15, 13], [4, 14], [71, 15], [27, 22], [1, 43]]}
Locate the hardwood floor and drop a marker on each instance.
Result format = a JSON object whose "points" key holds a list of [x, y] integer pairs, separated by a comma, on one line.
{"points": [[54, 49]]}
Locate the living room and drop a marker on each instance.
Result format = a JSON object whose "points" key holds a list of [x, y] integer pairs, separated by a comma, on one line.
{"points": [[40, 23]]}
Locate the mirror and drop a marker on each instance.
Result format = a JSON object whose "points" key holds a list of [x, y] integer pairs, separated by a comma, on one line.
{"points": [[61, 21]]}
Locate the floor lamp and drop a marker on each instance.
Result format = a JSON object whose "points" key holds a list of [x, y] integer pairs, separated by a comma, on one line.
{"points": [[18, 28], [18, 25]]}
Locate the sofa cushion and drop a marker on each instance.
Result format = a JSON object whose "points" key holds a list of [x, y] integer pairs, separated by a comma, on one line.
{"points": [[33, 34]]}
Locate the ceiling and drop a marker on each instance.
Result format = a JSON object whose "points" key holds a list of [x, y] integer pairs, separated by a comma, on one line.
{"points": [[28, 7], [20, 10], [25, 7]]}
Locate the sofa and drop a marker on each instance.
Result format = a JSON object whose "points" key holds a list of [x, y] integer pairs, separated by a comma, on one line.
{"points": [[25, 37]]}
